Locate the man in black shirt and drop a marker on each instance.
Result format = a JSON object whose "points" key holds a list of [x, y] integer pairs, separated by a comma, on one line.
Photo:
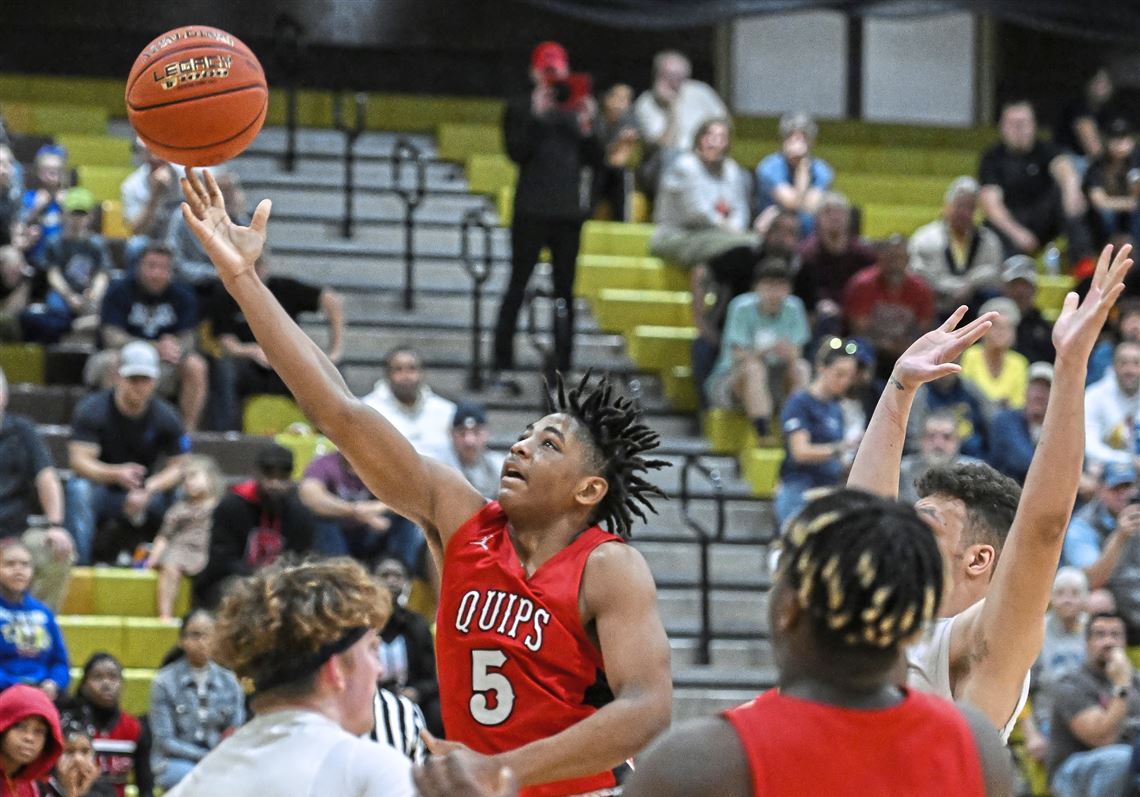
{"points": [[242, 370], [1030, 190], [551, 138], [28, 480], [1081, 125], [127, 449]]}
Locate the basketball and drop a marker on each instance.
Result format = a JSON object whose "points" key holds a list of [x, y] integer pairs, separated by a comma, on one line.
{"points": [[197, 96]]}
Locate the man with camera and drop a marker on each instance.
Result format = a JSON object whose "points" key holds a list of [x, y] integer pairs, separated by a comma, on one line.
{"points": [[550, 135], [1103, 541]]}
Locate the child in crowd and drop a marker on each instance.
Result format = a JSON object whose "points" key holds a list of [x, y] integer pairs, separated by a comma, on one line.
{"points": [[31, 646], [120, 741], [29, 740], [77, 773], [183, 543]]}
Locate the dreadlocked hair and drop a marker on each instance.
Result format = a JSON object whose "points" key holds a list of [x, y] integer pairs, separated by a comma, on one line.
{"points": [[619, 439], [867, 570]]}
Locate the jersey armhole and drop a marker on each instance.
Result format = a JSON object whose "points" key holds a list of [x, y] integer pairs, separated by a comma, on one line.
{"points": [[473, 523]]}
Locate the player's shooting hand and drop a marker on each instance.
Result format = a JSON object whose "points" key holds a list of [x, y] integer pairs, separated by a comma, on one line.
{"points": [[464, 774], [932, 356], [1078, 326], [233, 249]]}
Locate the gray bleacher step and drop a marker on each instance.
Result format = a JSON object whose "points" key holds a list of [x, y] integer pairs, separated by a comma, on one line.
{"points": [[690, 703], [455, 307], [362, 268], [428, 241], [439, 176], [518, 419], [332, 181], [733, 611], [327, 190], [724, 654], [748, 520], [678, 561]]}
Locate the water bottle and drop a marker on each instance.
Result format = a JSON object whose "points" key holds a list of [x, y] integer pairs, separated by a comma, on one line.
{"points": [[1052, 260]]}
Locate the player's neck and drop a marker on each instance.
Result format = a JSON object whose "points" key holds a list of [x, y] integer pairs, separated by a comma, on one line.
{"points": [[960, 596], [535, 543], [822, 684]]}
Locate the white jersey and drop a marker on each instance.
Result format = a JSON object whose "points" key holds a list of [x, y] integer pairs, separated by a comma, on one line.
{"points": [[296, 753], [928, 668]]}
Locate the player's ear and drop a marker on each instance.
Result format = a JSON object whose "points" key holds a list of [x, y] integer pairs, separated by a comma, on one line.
{"points": [[785, 609], [981, 560], [591, 490]]}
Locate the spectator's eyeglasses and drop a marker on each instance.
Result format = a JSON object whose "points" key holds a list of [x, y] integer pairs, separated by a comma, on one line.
{"points": [[848, 347]]}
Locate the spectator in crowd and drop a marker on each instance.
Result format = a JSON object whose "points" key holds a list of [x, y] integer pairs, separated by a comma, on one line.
{"points": [[702, 213], [552, 139], [1100, 541], [150, 196], [1113, 184], [126, 454], [616, 127], [792, 178], [254, 523], [122, 743], [1034, 334], [349, 519], [888, 306], [410, 405], [30, 740], [78, 266], [941, 445], [812, 424], [829, 258], [243, 370], [43, 204], [1063, 649], [960, 259], [407, 648], [1000, 374], [194, 703], [192, 266], [669, 114], [1112, 408], [29, 483], [951, 394], [77, 773], [305, 635], [1014, 433], [1096, 713], [760, 362], [469, 454], [32, 650], [10, 194], [1127, 329], [1081, 127], [15, 291], [150, 306], [183, 541], [1030, 191]]}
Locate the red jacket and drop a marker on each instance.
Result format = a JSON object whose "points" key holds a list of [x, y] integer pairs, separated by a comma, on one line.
{"points": [[18, 703]]}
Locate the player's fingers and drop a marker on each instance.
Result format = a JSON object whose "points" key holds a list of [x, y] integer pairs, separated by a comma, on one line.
{"points": [[508, 783], [433, 744], [1102, 265], [972, 328], [194, 223], [428, 778], [191, 196], [1120, 264], [944, 370], [215, 193], [261, 215], [196, 183], [954, 318]]}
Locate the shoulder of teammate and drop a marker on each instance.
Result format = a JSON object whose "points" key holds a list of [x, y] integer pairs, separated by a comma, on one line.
{"points": [[992, 754], [699, 758]]}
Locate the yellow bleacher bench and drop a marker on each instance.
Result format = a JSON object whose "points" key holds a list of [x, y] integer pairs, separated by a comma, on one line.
{"points": [[659, 348], [104, 182], [89, 150], [761, 469], [616, 238], [598, 272], [268, 415], [681, 390], [621, 309], [728, 431]]}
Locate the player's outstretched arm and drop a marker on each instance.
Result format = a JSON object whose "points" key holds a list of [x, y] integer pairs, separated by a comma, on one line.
{"points": [[620, 597], [879, 459], [413, 486], [1000, 637]]}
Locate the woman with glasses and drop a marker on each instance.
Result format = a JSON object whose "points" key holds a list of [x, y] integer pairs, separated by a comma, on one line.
{"points": [[194, 703], [812, 423]]}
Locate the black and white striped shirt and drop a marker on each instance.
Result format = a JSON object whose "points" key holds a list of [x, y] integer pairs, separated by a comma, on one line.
{"points": [[397, 722]]}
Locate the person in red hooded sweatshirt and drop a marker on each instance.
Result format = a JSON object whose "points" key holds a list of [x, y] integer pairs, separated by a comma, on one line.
{"points": [[30, 740]]}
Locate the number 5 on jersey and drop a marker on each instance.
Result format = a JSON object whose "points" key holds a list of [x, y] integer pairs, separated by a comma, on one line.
{"points": [[485, 679]]}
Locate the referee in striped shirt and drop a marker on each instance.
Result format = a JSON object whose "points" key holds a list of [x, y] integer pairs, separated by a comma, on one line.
{"points": [[397, 722]]}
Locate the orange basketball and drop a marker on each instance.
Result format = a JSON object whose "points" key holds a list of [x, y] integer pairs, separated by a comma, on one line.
{"points": [[197, 96]]}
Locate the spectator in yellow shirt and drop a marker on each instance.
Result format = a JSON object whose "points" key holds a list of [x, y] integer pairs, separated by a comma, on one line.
{"points": [[1000, 374]]}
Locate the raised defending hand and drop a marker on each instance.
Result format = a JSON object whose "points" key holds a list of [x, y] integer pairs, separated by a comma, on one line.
{"points": [[1078, 326], [932, 356], [232, 248]]}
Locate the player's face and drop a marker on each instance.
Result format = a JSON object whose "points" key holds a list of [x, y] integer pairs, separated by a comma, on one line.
{"points": [[361, 672], [544, 466], [947, 519]]}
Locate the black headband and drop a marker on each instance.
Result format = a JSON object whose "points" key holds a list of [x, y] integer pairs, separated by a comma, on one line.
{"points": [[294, 669]]}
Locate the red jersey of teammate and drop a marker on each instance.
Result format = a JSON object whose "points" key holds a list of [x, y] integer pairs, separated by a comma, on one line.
{"points": [[515, 663], [923, 747]]}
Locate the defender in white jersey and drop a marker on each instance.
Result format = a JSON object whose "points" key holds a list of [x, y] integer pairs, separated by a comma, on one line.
{"points": [[1001, 553]]}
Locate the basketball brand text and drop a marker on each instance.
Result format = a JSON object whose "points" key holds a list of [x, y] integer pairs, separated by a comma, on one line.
{"points": [[191, 70], [187, 33]]}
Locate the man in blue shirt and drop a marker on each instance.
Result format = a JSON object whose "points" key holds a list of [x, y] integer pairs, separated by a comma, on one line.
{"points": [[1014, 433], [791, 178], [1102, 541]]}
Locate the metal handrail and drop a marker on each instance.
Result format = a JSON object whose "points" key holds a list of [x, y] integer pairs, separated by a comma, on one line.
{"points": [[352, 131], [288, 49], [403, 151], [480, 272], [705, 538]]}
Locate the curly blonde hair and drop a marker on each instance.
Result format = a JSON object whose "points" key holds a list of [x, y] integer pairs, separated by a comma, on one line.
{"points": [[291, 610]]}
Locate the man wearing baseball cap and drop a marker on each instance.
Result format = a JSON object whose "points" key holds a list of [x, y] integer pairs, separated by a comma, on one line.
{"points": [[126, 450], [1014, 433], [469, 454], [1034, 333]]}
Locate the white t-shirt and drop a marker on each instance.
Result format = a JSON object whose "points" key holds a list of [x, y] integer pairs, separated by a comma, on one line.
{"points": [[297, 753], [426, 424], [695, 103]]}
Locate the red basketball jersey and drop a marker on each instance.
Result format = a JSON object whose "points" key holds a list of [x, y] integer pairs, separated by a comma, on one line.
{"points": [[923, 747], [515, 664]]}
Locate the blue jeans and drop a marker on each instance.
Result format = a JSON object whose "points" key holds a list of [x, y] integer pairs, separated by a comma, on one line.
{"points": [[403, 540], [171, 771], [90, 504], [1103, 772], [47, 323], [790, 499]]}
